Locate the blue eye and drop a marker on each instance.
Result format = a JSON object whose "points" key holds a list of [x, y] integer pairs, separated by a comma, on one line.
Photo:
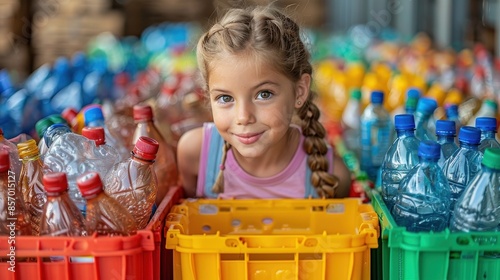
{"points": [[265, 94], [224, 99]]}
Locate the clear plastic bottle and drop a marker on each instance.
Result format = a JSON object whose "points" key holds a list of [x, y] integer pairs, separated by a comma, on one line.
{"points": [[465, 163], [31, 181], [53, 132], [15, 163], [376, 135], [351, 119], [423, 201], [165, 163], [446, 134], [133, 182], [60, 216], [15, 217], [74, 155], [424, 120], [478, 208], [488, 127], [401, 157], [41, 126], [100, 148], [104, 214], [94, 117]]}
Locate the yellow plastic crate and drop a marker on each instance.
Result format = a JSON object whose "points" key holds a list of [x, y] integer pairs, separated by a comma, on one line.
{"points": [[272, 239]]}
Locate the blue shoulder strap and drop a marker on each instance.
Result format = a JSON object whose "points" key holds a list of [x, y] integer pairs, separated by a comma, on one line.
{"points": [[214, 159]]}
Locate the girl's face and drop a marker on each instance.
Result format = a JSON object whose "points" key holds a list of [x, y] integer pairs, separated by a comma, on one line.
{"points": [[253, 104]]}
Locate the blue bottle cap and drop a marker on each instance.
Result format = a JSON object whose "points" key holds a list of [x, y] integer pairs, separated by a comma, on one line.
{"points": [[446, 127], [413, 93], [404, 122], [377, 97], [429, 149], [486, 123], [93, 114], [452, 111], [426, 105], [470, 135]]}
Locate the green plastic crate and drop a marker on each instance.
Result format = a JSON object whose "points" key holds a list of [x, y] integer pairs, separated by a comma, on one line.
{"points": [[430, 255]]}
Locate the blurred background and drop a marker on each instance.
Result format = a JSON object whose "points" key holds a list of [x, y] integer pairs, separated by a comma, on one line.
{"points": [[34, 32]]}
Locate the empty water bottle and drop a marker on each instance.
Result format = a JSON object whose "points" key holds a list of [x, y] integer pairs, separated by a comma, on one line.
{"points": [[164, 165], [133, 182], [488, 127], [376, 135], [412, 96], [465, 163], [31, 181], [423, 201], [478, 208], [15, 219], [452, 114], [104, 214], [351, 120], [60, 216], [400, 158], [445, 133], [53, 132], [424, 120]]}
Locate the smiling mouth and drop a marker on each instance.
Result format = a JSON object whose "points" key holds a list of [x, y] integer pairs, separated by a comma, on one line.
{"points": [[248, 138]]}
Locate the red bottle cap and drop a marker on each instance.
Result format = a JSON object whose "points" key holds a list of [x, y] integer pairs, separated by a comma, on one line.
{"points": [[4, 160], [89, 184], [143, 112], [69, 114], [146, 148], [55, 182], [95, 133]]}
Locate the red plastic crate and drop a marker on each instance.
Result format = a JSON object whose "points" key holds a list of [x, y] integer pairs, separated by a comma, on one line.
{"points": [[141, 256]]}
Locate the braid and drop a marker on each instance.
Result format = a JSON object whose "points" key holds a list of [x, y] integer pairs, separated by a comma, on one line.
{"points": [[316, 148], [218, 186]]}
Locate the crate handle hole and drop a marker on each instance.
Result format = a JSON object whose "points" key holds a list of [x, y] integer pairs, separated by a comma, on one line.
{"points": [[463, 241], [267, 221], [235, 223], [311, 242], [206, 228], [231, 243]]}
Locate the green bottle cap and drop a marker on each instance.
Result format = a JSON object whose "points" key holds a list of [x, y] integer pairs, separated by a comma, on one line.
{"points": [[42, 125], [55, 118], [356, 94], [491, 158]]}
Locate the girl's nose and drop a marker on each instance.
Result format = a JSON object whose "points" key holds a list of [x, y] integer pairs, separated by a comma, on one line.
{"points": [[245, 113]]}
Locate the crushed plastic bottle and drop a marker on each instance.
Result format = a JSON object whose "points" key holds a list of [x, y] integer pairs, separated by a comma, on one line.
{"points": [[60, 216], [446, 134], [104, 214], [165, 163], [423, 201], [74, 155], [465, 163], [16, 221], [400, 158], [133, 182], [53, 132], [478, 208], [31, 181]]}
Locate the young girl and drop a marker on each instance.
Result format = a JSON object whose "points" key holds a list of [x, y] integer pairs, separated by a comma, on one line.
{"points": [[257, 74]]}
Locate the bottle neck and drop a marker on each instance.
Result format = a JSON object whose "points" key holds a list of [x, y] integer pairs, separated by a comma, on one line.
{"points": [[428, 160], [445, 138], [30, 158], [93, 197], [140, 160], [405, 133], [486, 134], [469, 146]]}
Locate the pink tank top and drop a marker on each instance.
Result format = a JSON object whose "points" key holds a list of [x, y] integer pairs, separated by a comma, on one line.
{"points": [[292, 182]]}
